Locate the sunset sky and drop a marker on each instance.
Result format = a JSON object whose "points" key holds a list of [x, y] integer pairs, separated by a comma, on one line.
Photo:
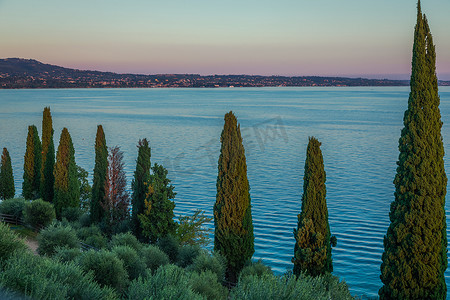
{"points": [[283, 37]]}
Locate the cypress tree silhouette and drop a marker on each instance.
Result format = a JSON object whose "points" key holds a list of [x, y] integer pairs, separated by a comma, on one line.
{"points": [[100, 176], [313, 241], [7, 189], [48, 157], [415, 255], [233, 235], [32, 165], [67, 189]]}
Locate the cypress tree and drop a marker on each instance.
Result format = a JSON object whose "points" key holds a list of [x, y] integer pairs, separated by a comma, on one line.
{"points": [[233, 235], [139, 185], [48, 157], [100, 172], [32, 165], [313, 241], [67, 189], [415, 246], [7, 190]]}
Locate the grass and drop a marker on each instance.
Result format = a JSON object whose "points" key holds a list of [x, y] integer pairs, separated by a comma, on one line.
{"points": [[23, 231]]}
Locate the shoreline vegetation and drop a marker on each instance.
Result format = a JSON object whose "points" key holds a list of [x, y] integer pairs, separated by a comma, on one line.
{"points": [[18, 73]]}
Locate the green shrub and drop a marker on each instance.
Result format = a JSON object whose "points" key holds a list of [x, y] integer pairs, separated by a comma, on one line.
{"points": [[92, 236], [133, 264], [153, 257], [169, 245], [66, 254], [187, 254], [43, 278], [39, 213], [56, 236], [13, 207], [107, 268], [125, 239], [169, 282], [71, 214], [85, 220], [9, 243], [205, 262], [207, 285], [256, 269]]}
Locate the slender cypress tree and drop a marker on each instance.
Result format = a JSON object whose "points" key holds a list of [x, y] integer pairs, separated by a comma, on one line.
{"points": [[415, 246], [100, 173], [48, 157], [67, 189], [139, 185], [7, 189], [32, 165], [313, 241], [233, 235]]}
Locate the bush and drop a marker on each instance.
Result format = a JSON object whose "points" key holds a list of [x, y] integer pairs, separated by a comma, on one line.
{"points": [[153, 257], [125, 239], [107, 268], [92, 236], [205, 262], [56, 236], [85, 220], [66, 254], [170, 245], [207, 285], [131, 261], [71, 214], [169, 282], [9, 243], [288, 287], [13, 207], [39, 213], [42, 278], [187, 254], [256, 269]]}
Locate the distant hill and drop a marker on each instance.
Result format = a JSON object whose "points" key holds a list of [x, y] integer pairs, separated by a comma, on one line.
{"points": [[30, 73]]}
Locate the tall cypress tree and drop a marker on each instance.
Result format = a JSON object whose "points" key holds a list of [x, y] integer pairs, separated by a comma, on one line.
{"points": [[7, 189], [32, 165], [139, 185], [100, 171], [233, 235], [313, 241], [415, 245], [48, 157], [67, 189]]}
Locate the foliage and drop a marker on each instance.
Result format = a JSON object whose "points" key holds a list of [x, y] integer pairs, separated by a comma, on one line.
{"points": [[169, 245], [169, 282], [207, 285], [100, 171], [415, 256], [9, 243], [107, 268], [7, 189], [132, 262], [56, 236], [125, 239], [116, 200], [205, 262], [92, 236], [48, 157], [233, 235], [191, 230], [13, 206], [153, 257], [38, 213], [43, 278], [71, 214], [256, 269], [64, 254], [31, 186], [139, 185], [85, 188], [67, 189], [187, 254]]}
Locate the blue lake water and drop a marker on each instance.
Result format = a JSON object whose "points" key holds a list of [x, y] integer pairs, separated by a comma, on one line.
{"points": [[359, 129]]}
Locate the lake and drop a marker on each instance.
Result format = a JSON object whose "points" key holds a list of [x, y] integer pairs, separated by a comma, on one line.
{"points": [[359, 129]]}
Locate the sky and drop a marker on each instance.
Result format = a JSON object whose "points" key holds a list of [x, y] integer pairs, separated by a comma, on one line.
{"points": [[260, 37]]}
